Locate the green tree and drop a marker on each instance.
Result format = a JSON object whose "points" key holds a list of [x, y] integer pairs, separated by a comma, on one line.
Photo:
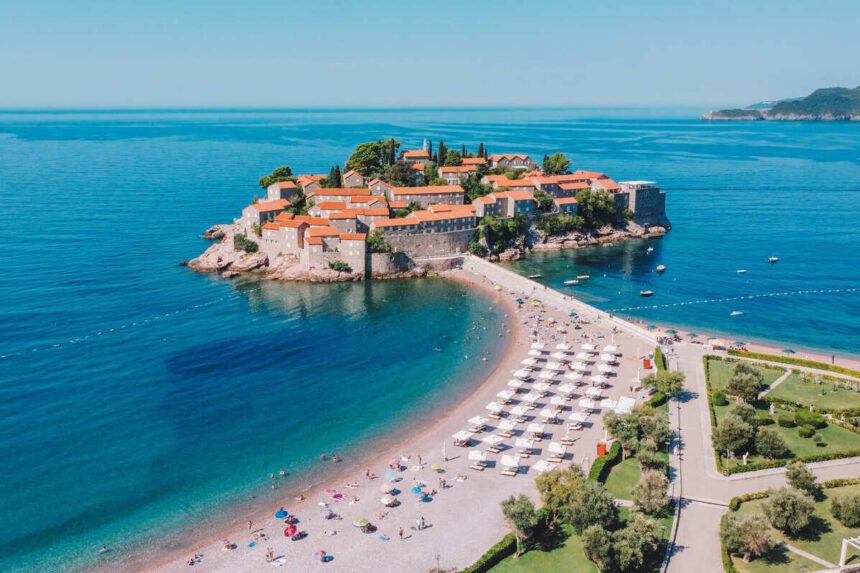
{"points": [[799, 477], [770, 444], [625, 429], [555, 164], [441, 153], [463, 150], [748, 535], [628, 214], [746, 413], [636, 544], [559, 223], [481, 149], [283, 173], [597, 208], [371, 158], [545, 201], [400, 174], [335, 178], [597, 545], [430, 150], [669, 383], [377, 242], [452, 157], [557, 488], [745, 382], [650, 492], [590, 504], [339, 266], [731, 435], [430, 170], [788, 509], [520, 515], [846, 509]]}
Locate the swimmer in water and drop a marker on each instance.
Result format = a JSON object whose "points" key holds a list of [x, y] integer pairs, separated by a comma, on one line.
{"points": [[103, 549]]}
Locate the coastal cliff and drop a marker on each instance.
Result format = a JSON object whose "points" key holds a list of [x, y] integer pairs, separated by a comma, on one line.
{"points": [[827, 104]]}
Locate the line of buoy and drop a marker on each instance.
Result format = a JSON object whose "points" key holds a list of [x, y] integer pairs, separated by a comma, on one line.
{"points": [[734, 298], [99, 333]]}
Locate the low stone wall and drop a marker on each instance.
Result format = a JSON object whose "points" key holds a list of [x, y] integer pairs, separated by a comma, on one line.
{"points": [[432, 244], [383, 264]]}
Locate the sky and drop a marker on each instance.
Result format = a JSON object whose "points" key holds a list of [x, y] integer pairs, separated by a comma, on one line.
{"points": [[376, 53]]}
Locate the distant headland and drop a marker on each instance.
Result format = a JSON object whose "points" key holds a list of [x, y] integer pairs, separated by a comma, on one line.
{"points": [[395, 213], [825, 104]]}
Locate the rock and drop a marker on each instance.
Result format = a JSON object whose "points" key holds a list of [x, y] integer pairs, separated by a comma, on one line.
{"points": [[183, 263], [249, 262], [493, 258], [216, 232], [510, 255], [229, 274]]}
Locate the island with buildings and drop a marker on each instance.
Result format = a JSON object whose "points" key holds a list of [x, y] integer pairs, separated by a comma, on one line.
{"points": [[394, 213]]}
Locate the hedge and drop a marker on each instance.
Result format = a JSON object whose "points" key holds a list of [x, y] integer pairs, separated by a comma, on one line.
{"points": [[507, 546], [764, 419], [601, 467], [728, 565], [806, 431], [793, 405], [755, 466], [797, 362], [785, 421], [659, 360], [735, 503], [840, 482], [658, 399], [806, 418]]}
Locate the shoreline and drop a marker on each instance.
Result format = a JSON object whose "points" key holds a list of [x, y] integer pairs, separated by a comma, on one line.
{"points": [[212, 533]]}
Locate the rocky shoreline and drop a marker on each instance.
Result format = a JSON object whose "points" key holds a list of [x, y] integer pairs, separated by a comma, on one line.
{"points": [[222, 258]]}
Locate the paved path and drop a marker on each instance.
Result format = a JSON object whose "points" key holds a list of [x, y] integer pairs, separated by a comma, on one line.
{"points": [[809, 556], [775, 383]]}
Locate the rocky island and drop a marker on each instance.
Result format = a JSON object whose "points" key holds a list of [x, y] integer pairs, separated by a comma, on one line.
{"points": [[826, 104], [407, 213]]}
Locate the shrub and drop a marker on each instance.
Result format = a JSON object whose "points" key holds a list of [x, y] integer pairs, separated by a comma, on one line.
{"points": [[785, 421], [770, 444], [339, 266], [796, 362], [719, 398], [789, 509], [659, 359], [764, 419], [846, 509], [806, 431], [243, 243], [600, 468], [377, 242], [497, 552], [658, 399], [735, 503], [806, 418]]}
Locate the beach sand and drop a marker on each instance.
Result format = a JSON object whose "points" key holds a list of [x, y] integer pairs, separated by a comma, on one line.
{"points": [[464, 519]]}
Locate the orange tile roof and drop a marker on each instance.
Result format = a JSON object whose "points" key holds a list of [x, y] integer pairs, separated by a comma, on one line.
{"points": [[570, 177], [416, 154], [474, 161], [609, 184], [521, 196], [445, 208], [313, 241], [487, 199], [430, 216], [497, 156], [312, 221], [272, 226], [458, 169], [292, 224], [331, 205], [543, 180], [410, 220], [375, 181], [533, 173], [398, 204], [351, 172], [369, 199], [492, 178], [574, 186], [566, 200], [427, 190], [346, 214], [514, 183], [307, 179], [268, 206], [374, 212], [353, 236], [285, 184], [589, 174], [341, 191], [323, 232], [284, 216], [418, 167]]}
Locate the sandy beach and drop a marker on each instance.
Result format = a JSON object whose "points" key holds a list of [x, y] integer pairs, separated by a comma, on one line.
{"points": [[462, 519]]}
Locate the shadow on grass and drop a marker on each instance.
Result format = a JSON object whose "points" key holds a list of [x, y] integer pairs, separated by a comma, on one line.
{"points": [[551, 538], [814, 530], [779, 556]]}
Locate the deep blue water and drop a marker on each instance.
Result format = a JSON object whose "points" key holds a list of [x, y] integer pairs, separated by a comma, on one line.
{"points": [[190, 390]]}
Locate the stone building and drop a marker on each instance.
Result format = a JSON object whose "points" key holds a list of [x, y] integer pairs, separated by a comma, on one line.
{"points": [[424, 196], [512, 161], [281, 190], [259, 213], [415, 155], [456, 174], [353, 179], [647, 202], [566, 205]]}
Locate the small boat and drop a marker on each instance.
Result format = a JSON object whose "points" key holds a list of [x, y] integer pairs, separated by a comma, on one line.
{"points": [[736, 313], [571, 282], [583, 277], [741, 271], [649, 250], [646, 293], [661, 268], [773, 259], [533, 277]]}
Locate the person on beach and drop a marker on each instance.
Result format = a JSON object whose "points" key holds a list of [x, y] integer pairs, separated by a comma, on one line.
{"points": [[103, 549], [335, 459], [250, 524], [401, 534], [322, 457], [283, 473], [418, 524]]}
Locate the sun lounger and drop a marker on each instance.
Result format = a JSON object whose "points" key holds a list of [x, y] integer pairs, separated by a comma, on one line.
{"points": [[476, 429], [505, 434], [555, 459], [567, 441], [477, 467], [520, 420], [494, 416], [494, 450], [510, 473]]}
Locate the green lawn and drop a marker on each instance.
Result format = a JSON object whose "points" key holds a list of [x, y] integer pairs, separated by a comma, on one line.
{"points": [[780, 560], [794, 389], [825, 534], [550, 554], [622, 479], [719, 372]]}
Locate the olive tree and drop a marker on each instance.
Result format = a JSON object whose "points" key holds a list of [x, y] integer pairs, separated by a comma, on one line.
{"points": [[519, 512], [789, 509]]}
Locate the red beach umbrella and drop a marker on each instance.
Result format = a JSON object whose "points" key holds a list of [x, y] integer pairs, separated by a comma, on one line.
{"points": [[290, 531]]}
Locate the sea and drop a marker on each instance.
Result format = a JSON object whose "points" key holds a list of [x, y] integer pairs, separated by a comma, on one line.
{"points": [[140, 401]]}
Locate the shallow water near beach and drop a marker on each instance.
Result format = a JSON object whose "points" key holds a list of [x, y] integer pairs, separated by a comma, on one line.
{"points": [[138, 399]]}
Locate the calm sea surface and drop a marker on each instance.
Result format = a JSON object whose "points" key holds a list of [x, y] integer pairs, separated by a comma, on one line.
{"points": [[138, 398]]}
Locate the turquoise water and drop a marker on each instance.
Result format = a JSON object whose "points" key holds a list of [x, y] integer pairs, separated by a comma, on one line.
{"points": [[155, 396]]}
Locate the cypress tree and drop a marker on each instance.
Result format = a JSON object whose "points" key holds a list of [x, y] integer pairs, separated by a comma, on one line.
{"points": [[481, 149], [463, 150], [440, 155], [335, 179], [430, 150]]}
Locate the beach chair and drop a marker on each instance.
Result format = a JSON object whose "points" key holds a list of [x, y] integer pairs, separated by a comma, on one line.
{"points": [[476, 429], [494, 450], [520, 420], [505, 433], [567, 441], [509, 473], [555, 459], [477, 467], [494, 416]]}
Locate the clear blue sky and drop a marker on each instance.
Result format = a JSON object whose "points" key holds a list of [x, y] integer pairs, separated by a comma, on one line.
{"points": [[216, 53]]}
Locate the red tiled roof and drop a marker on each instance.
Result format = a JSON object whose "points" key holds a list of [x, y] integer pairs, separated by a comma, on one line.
{"points": [[374, 212], [272, 226], [609, 184], [284, 216], [573, 186], [341, 191], [323, 232], [445, 208], [292, 224], [313, 241], [418, 167], [428, 190], [566, 200], [285, 184], [589, 174], [497, 156], [429, 216], [487, 199], [458, 169], [368, 199], [474, 161], [398, 204], [268, 206], [331, 205], [515, 183], [353, 236], [312, 221], [346, 214], [409, 220], [416, 154], [521, 196]]}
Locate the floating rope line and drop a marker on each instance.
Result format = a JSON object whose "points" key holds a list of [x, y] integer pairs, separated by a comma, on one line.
{"points": [[733, 298], [100, 333]]}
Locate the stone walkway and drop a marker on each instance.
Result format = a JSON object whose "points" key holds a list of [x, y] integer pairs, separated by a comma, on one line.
{"points": [[776, 383]]}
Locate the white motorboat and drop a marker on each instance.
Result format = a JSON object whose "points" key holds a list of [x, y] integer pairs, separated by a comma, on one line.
{"points": [[736, 313], [583, 277], [649, 249], [646, 293], [773, 259], [661, 268], [571, 282], [741, 271]]}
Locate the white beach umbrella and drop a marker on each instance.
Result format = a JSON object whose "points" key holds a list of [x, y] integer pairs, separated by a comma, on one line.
{"points": [[535, 427], [566, 388], [583, 356], [599, 379], [524, 443], [492, 439], [608, 357], [580, 366], [510, 461], [463, 436], [477, 456], [531, 397], [538, 345], [507, 425], [594, 392], [543, 466], [548, 374], [578, 417], [557, 448], [605, 368], [505, 394], [562, 346], [588, 404], [588, 346], [625, 405], [534, 352], [560, 356], [477, 420], [522, 373], [519, 411], [608, 403], [558, 401], [528, 361], [541, 386], [548, 413], [611, 348], [553, 366], [494, 407], [573, 376], [515, 383]]}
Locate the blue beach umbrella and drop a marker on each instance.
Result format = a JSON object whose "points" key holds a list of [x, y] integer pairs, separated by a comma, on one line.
{"points": [[281, 514], [416, 489], [740, 343], [573, 314], [389, 475]]}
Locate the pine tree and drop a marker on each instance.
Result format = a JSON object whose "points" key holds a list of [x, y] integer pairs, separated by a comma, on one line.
{"points": [[481, 149], [335, 180], [430, 150], [441, 153], [463, 150]]}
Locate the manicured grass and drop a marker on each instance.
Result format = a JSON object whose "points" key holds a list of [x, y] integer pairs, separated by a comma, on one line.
{"points": [[823, 537], [622, 479], [719, 372], [794, 389], [551, 553], [780, 560]]}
